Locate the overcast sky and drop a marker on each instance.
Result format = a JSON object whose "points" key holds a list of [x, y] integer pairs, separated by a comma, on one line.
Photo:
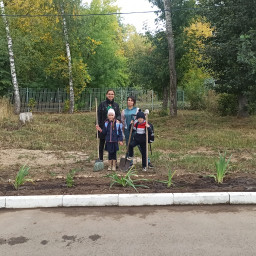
{"points": [[137, 20]]}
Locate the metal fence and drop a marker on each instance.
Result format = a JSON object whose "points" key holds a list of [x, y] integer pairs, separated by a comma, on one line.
{"points": [[48, 100]]}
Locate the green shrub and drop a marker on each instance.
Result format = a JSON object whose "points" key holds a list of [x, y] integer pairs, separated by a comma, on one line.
{"points": [[211, 101], [227, 104]]}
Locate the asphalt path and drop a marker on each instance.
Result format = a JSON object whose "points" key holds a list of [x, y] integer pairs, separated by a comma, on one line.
{"points": [[174, 230]]}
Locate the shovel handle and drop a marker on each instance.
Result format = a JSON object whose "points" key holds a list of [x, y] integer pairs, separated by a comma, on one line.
{"points": [[146, 142], [98, 150], [130, 136]]}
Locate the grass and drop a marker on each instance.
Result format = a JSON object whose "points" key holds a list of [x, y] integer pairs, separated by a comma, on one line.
{"points": [[5, 109], [190, 142]]}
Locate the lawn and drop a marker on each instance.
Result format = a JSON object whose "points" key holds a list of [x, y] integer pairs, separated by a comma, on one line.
{"points": [[54, 144]]}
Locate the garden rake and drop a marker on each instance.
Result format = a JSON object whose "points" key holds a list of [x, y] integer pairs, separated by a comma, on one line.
{"points": [[98, 165]]}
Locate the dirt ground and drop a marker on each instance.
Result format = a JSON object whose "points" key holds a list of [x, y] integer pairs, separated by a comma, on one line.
{"points": [[48, 171]]}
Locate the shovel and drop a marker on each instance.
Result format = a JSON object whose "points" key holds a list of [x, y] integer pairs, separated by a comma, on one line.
{"points": [[124, 164], [98, 165]]}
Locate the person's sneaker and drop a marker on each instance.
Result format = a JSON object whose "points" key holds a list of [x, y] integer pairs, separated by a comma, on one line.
{"points": [[144, 169], [150, 165]]}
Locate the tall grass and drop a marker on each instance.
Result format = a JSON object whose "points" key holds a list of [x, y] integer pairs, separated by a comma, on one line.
{"points": [[189, 143], [5, 109]]}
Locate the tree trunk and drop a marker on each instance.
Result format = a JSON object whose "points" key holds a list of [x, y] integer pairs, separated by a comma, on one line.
{"points": [[12, 63], [71, 87], [173, 76], [165, 97], [243, 110]]}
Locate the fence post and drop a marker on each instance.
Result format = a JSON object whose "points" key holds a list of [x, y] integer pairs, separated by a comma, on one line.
{"points": [[152, 100], [90, 102], [27, 99], [121, 94], [58, 98], [183, 100]]}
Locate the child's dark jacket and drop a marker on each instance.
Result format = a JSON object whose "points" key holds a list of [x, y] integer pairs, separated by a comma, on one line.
{"points": [[139, 131], [112, 133]]}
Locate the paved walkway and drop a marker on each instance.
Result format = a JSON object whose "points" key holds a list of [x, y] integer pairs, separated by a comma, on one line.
{"points": [[173, 230]]}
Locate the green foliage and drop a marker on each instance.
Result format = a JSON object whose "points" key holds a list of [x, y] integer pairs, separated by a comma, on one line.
{"points": [[227, 104], [221, 168], [169, 181], [125, 180], [39, 48], [149, 66], [31, 104], [20, 177], [230, 53], [70, 178]]}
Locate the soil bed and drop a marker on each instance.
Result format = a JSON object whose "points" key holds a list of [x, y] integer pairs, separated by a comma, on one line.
{"points": [[100, 185]]}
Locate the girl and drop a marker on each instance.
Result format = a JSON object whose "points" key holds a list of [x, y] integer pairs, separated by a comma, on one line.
{"points": [[112, 131], [102, 116]]}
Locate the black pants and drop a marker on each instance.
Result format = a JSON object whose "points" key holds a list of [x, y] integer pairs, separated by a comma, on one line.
{"points": [[112, 156], [142, 146], [101, 148]]}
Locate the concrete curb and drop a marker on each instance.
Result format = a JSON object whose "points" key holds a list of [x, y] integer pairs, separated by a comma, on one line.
{"points": [[206, 198]]}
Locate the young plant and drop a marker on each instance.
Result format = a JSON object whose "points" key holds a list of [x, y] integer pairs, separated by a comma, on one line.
{"points": [[221, 168], [126, 180], [70, 178], [20, 177], [169, 182]]}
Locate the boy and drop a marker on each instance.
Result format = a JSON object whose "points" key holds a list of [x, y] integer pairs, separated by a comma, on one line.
{"points": [[139, 138]]}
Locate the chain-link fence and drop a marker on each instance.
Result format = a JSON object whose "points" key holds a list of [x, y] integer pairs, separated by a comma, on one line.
{"points": [[47, 100]]}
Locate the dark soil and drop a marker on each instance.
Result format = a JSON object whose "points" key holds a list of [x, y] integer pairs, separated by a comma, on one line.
{"points": [[101, 185]]}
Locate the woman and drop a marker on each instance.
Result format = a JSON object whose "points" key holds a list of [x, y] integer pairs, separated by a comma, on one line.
{"points": [[102, 116], [128, 115]]}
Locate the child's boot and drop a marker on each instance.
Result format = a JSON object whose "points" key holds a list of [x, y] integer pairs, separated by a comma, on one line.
{"points": [[114, 165], [110, 165]]}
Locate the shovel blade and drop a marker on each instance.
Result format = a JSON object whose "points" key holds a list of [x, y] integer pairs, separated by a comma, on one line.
{"points": [[124, 164]]}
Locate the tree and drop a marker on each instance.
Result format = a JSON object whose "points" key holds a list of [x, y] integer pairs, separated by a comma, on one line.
{"points": [[12, 62], [107, 64], [227, 50], [171, 50], [71, 87]]}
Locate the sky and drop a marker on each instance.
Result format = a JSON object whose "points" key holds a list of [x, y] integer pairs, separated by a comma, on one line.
{"points": [[137, 20]]}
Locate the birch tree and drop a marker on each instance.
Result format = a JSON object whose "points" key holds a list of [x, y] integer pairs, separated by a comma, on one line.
{"points": [[71, 87], [171, 50], [12, 63]]}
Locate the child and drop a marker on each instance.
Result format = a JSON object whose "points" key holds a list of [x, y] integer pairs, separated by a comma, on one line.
{"points": [[113, 135], [139, 138]]}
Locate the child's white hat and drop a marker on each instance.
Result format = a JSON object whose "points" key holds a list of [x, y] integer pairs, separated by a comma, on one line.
{"points": [[111, 111]]}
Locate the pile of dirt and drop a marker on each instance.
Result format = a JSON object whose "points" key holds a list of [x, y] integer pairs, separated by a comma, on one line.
{"points": [[101, 185]]}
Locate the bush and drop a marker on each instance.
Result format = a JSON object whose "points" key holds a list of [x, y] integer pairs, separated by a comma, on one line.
{"points": [[5, 109], [227, 104], [211, 101]]}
